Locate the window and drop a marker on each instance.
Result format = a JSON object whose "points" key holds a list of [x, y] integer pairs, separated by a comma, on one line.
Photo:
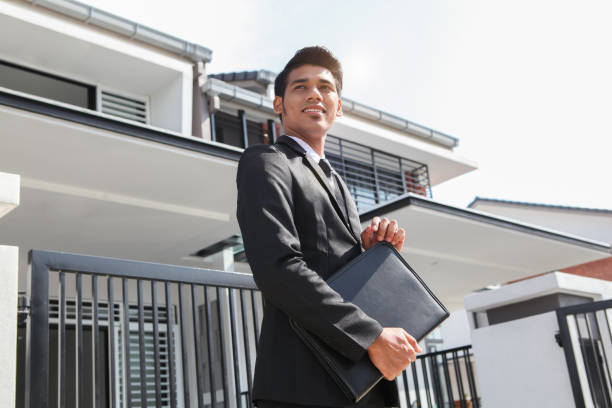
{"points": [[47, 86], [228, 130]]}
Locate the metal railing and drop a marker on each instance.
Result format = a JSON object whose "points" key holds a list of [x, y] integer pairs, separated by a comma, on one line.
{"points": [[189, 334], [586, 337], [439, 379], [374, 177]]}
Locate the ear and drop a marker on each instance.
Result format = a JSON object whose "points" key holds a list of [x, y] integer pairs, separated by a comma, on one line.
{"points": [[278, 105], [339, 111]]}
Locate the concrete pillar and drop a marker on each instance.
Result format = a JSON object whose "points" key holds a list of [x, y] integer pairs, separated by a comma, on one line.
{"points": [[517, 358], [9, 261]]}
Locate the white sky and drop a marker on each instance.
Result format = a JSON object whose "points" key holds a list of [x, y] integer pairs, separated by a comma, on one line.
{"points": [[526, 86]]}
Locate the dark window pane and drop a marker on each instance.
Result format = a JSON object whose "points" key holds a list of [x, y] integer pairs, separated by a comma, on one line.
{"points": [[47, 86], [228, 129]]}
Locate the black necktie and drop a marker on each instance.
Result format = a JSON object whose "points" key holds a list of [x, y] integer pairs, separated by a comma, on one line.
{"points": [[334, 180]]}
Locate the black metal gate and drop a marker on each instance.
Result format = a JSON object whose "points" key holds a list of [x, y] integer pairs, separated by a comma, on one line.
{"points": [[106, 332], [586, 337]]}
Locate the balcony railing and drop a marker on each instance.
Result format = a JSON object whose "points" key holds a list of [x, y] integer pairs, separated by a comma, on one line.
{"points": [[190, 335], [372, 176]]}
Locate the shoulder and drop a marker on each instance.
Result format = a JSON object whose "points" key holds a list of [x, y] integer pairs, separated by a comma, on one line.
{"points": [[263, 160]]}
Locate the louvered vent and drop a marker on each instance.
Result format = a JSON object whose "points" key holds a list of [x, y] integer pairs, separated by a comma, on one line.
{"points": [[125, 107]]}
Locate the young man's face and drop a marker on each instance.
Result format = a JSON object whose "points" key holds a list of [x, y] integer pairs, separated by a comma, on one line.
{"points": [[310, 104]]}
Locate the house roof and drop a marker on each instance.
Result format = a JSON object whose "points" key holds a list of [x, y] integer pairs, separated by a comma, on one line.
{"points": [[262, 76], [127, 28], [457, 250], [359, 109], [541, 205]]}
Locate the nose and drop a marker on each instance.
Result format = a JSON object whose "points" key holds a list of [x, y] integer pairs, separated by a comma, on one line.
{"points": [[314, 94]]}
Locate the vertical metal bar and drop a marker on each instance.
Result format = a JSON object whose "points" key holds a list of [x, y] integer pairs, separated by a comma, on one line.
{"points": [[255, 319], [402, 175], [584, 355], [170, 339], [600, 375], [182, 312], [62, 343], [428, 190], [426, 380], [272, 131], [96, 366], [141, 346], [209, 343], [126, 342], [38, 336], [406, 387], [449, 385], [570, 358], [243, 127], [80, 374], [459, 380], [197, 345], [213, 127], [111, 335], [221, 347], [603, 348], [247, 348], [470, 376], [157, 360], [376, 183], [234, 346], [435, 379], [417, 390]]}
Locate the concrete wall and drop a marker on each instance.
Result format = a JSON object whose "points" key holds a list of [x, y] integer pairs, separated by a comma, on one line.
{"points": [[9, 257], [518, 361], [519, 364]]}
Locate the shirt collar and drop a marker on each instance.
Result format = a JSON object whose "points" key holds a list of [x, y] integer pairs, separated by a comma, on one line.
{"points": [[309, 150]]}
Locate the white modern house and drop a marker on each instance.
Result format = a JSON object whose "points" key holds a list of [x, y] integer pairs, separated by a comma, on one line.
{"points": [[125, 147]]}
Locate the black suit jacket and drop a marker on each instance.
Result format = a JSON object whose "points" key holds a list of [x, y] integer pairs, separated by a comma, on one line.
{"points": [[295, 236]]}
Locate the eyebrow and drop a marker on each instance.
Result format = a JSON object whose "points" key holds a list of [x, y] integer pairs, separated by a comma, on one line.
{"points": [[303, 80]]}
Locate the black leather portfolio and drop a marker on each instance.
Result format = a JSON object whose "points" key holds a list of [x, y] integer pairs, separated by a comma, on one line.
{"points": [[387, 289]]}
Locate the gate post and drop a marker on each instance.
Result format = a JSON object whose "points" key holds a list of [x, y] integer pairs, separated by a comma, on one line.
{"points": [[37, 349]]}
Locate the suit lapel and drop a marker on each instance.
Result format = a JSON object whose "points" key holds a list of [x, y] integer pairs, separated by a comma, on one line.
{"points": [[353, 214], [320, 176]]}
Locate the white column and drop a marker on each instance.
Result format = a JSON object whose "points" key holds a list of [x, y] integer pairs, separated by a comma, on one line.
{"points": [[9, 261]]}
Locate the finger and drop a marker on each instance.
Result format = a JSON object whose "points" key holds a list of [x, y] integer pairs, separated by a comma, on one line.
{"points": [[375, 223], [412, 355], [399, 236], [366, 237], [382, 229], [413, 342], [391, 231]]}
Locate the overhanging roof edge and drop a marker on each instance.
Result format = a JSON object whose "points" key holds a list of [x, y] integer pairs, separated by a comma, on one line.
{"points": [[410, 199]]}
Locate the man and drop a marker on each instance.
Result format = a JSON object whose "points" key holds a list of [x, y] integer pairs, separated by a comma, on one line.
{"points": [[299, 225]]}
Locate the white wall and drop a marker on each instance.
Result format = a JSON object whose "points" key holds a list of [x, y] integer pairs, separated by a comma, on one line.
{"points": [[455, 331], [519, 364], [586, 224], [9, 261], [171, 106]]}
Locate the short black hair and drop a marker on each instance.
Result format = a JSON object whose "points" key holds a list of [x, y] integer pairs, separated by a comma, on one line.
{"points": [[316, 55]]}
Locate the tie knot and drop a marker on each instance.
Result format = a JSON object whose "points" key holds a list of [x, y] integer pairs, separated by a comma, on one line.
{"points": [[327, 168]]}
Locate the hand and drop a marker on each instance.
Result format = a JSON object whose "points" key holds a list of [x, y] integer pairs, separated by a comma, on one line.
{"points": [[383, 229], [393, 351]]}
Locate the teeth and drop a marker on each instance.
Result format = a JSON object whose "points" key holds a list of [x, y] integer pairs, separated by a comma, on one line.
{"points": [[313, 110]]}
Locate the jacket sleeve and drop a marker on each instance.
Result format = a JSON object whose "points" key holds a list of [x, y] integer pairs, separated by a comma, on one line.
{"points": [[272, 246]]}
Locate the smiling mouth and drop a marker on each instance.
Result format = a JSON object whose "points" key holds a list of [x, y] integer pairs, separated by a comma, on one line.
{"points": [[312, 110]]}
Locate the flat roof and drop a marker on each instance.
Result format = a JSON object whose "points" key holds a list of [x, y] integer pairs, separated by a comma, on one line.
{"points": [[483, 200]]}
